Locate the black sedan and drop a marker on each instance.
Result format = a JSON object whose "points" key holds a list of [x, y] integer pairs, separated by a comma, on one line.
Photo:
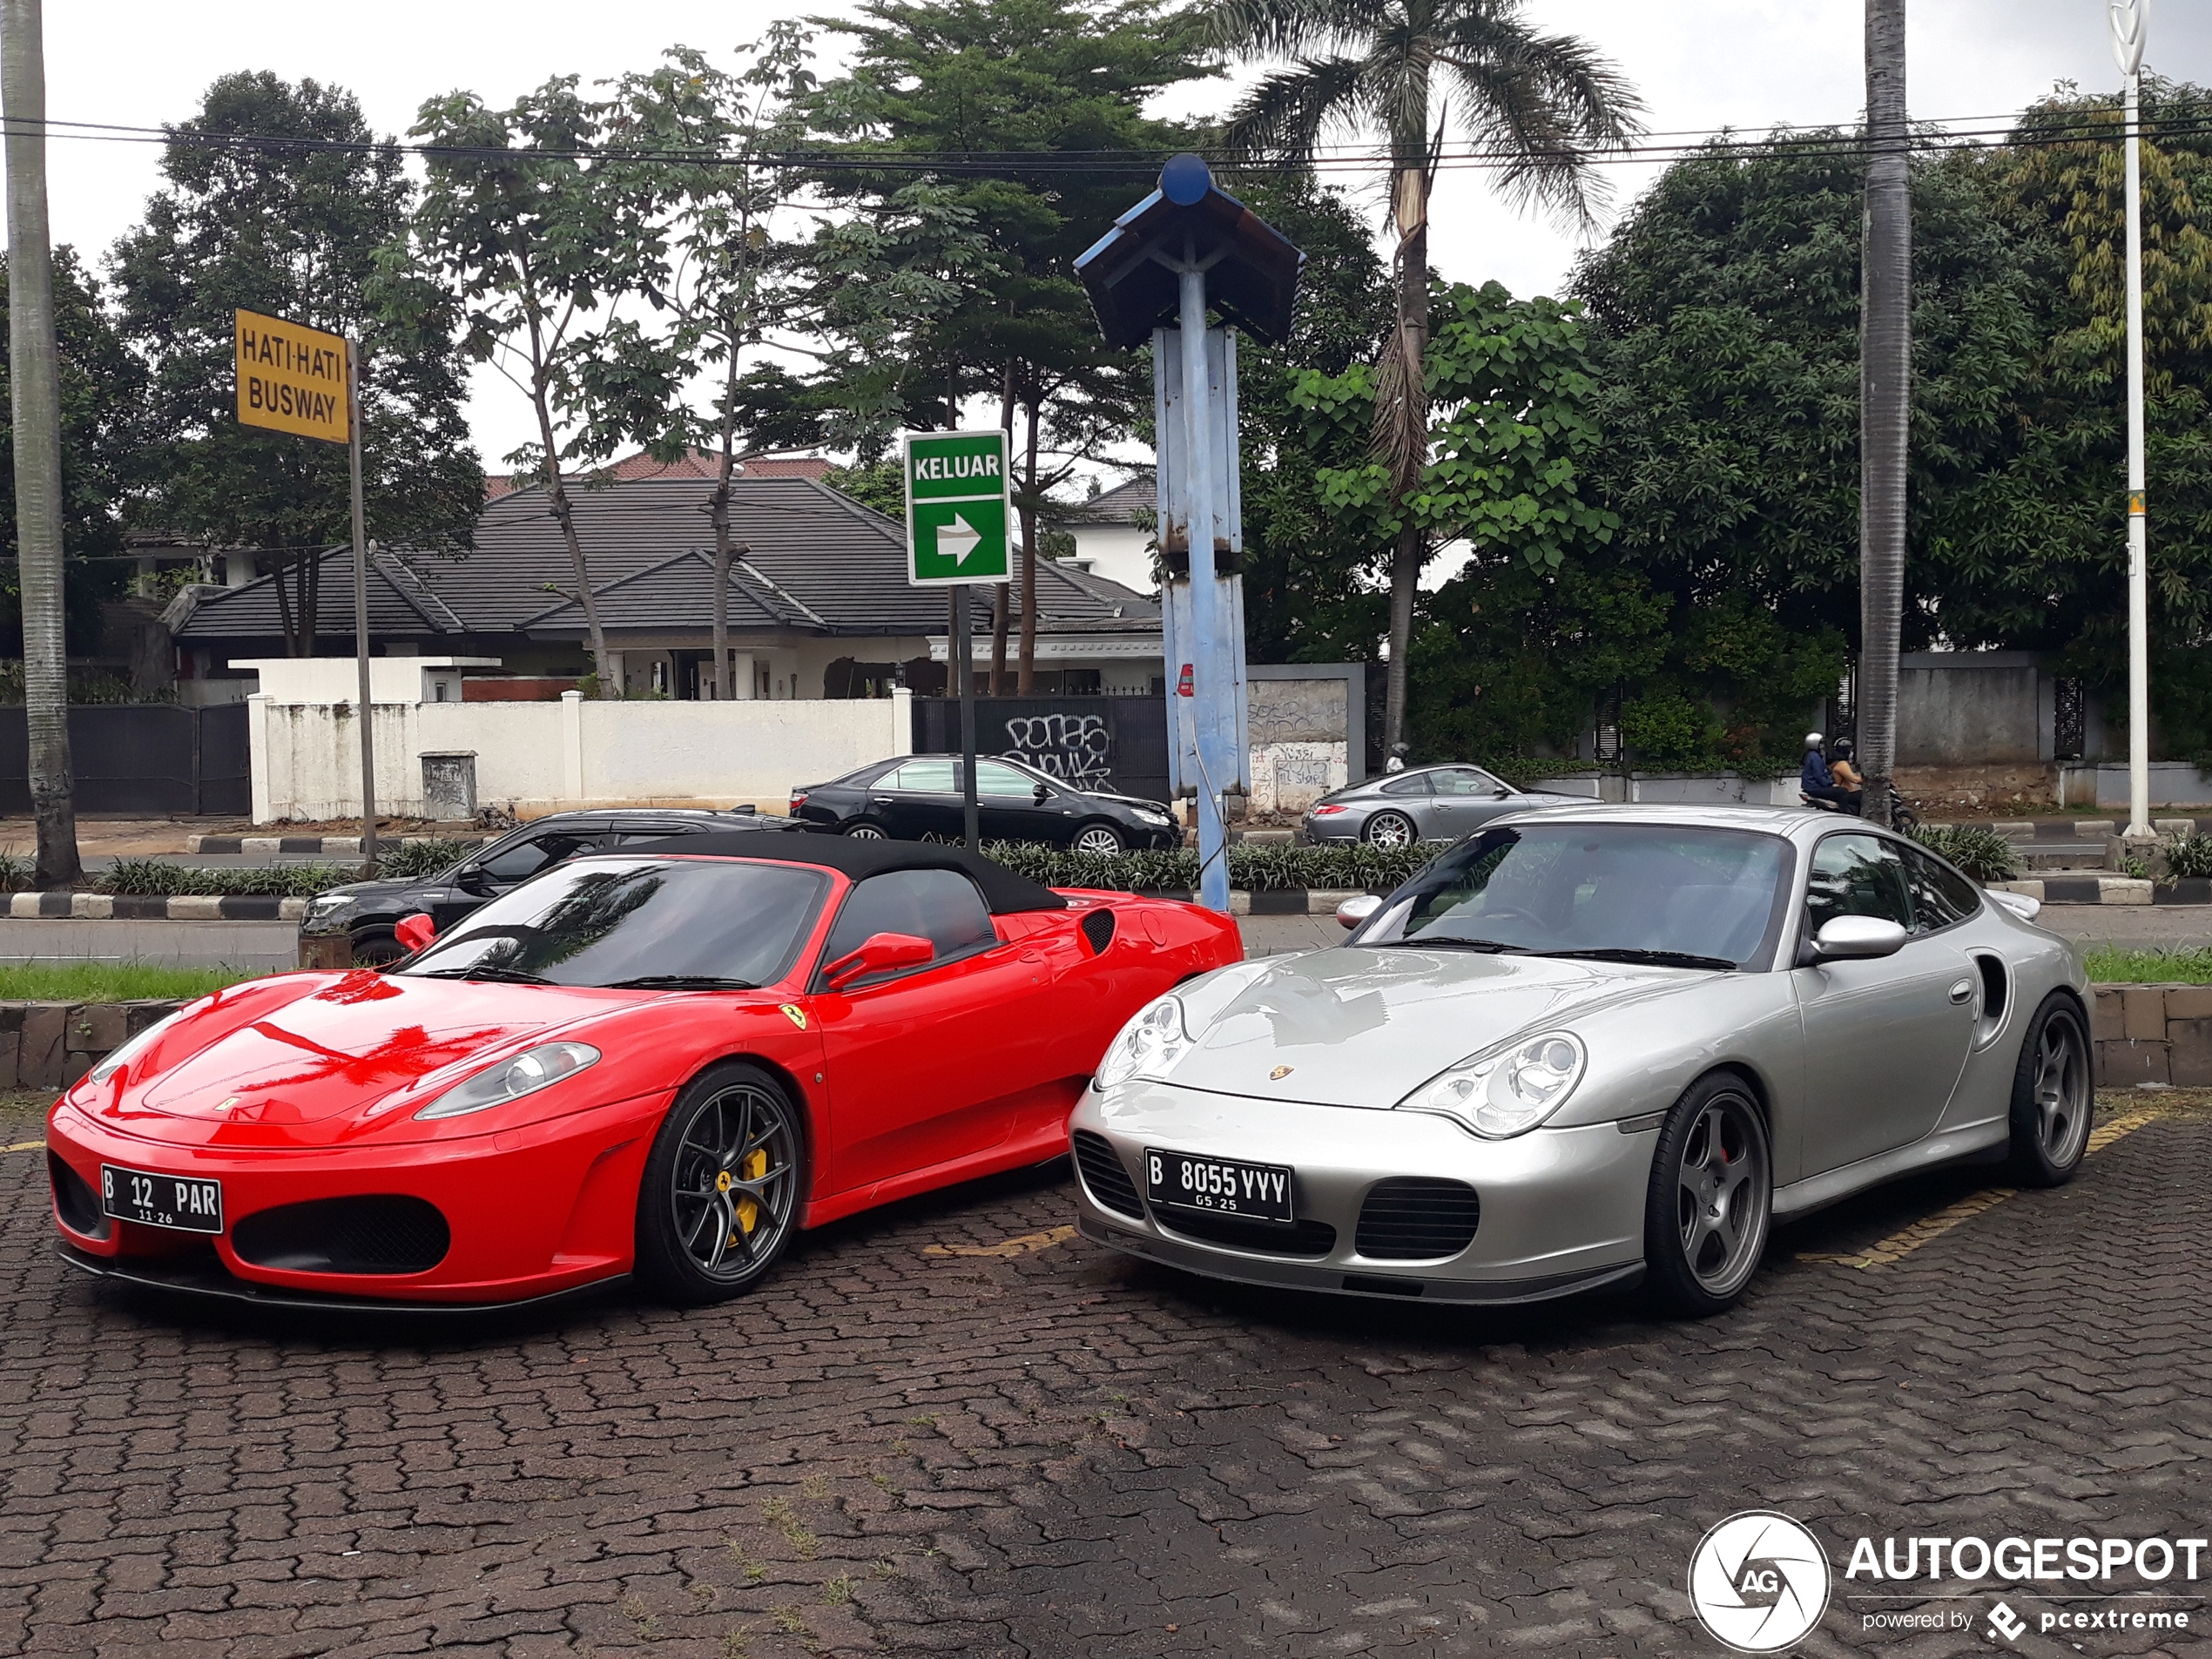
{"points": [[916, 796], [1424, 804], [352, 926]]}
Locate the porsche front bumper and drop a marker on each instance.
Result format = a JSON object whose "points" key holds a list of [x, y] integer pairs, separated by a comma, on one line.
{"points": [[1561, 1211]]}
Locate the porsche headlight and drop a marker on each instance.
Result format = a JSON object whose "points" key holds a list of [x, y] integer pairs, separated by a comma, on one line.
{"points": [[525, 1073], [116, 1058], [1147, 1046], [1503, 1092]]}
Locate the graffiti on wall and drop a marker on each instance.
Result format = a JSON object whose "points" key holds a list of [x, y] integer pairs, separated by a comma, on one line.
{"points": [[1075, 748], [1290, 777]]}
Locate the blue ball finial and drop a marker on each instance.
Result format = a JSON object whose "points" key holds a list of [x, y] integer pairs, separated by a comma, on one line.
{"points": [[1185, 180]]}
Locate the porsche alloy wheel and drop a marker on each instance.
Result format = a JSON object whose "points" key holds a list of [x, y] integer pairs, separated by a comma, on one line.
{"points": [[722, 1187], [1389, 829], [1711, 1197], [1098, 838], [2052, 1102]]}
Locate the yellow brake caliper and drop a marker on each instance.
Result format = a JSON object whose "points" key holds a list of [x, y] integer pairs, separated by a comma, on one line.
{"points": [[753, 1166]]}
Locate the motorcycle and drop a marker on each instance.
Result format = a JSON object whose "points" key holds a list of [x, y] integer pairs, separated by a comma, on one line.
{"points": [[1903, 819]]}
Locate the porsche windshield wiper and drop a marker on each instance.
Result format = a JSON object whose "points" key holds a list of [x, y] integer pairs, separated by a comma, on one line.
{"points": [[1446, 941], [1656, 958], [682, 982]]}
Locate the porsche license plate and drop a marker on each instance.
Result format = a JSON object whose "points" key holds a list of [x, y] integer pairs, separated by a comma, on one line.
{"points": [[1226, 1186], [188, 1202]]}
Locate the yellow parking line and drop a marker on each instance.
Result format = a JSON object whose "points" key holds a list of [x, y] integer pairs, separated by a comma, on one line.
{"points": [[24, 1146], [1022, 1246], [1904, 1242]]}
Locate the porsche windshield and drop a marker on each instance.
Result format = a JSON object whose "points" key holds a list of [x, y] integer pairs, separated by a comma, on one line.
{"points": [[675, 924], [1676, 896]]}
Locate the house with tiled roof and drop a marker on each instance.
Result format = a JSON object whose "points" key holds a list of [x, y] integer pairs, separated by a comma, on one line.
{"points": [[818, 604], [1114, 533]]}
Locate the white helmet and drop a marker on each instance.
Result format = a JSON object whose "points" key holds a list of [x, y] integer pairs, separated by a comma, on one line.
{"points": [[1813, 739]]}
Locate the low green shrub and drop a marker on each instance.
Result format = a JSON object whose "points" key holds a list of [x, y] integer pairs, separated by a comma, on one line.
{"points": [[1983, 854], [1255, 868], [2190, 855], [406, 860], [159, 876]]}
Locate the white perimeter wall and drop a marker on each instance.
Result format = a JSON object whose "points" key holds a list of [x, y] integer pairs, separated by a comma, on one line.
{"points": [[537, 758]]}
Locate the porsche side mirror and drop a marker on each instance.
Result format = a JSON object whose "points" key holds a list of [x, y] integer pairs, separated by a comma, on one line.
{"points": [[1356, 909], [1852, 939], [879, 954], [415, 932]]}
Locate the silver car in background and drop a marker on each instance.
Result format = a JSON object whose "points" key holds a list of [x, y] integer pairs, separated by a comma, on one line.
{"points": [[1421, 804], [1587, 1047]]}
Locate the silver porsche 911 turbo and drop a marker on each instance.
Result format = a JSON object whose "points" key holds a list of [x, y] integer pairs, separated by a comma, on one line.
{"points": [[1585, 1047]]}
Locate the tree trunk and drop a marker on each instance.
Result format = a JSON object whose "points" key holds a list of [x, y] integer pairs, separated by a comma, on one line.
{"points": [[1002, 612], [564, 515], [1027, 683], [719, 511], [1886, 398], [1401, 426], [35, 397]]}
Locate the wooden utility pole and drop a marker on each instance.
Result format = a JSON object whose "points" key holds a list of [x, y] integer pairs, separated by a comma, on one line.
{"points": [[35, 393]]}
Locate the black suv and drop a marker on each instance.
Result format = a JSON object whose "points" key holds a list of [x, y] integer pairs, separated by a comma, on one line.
{"points": [[916, 796], [354, 924]]}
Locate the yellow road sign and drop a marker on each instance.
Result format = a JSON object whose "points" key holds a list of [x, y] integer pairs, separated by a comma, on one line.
{"points": [[291, 378]]}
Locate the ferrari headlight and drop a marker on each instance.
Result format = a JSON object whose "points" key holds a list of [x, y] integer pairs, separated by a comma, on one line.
{"points": [[116, 1058], [1147, 1046], [525, 1073], [1503, 1092]]}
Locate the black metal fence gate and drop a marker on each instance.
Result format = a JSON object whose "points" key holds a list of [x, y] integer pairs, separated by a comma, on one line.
{"points": [[140, 758], [1118, 744]]}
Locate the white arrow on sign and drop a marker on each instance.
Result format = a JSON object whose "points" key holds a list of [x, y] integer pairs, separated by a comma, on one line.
{"points": [[958, 538]]}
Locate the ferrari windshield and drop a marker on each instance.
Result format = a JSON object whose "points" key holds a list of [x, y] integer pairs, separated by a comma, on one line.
{"points": [[1684, 896], [676, 924]]}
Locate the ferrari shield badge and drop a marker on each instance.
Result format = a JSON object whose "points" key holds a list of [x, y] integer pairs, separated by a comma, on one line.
{"points": [[796, 1015]]}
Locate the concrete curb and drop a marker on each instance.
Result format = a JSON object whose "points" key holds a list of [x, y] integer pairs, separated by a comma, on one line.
{"points": [[2111, 889], [328, 845], [154, 907]]}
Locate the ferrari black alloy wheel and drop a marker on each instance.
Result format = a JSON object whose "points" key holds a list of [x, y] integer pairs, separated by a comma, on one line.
{"points": [[1711, 1198], [722, 1186], [2052, 1102]]}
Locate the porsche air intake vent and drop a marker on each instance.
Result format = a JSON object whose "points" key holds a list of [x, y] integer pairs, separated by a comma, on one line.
{"points": [[1098, 928], [74, 1200], [1261, 1238], [365, 1235], [1415, 1218], [1105, 1180]]}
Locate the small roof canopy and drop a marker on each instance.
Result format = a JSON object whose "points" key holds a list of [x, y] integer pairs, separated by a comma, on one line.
{"points": [[1004, 890], [1252, 281]]}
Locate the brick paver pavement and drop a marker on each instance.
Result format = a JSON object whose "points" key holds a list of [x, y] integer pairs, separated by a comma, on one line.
{"points": [[951, 1427]]}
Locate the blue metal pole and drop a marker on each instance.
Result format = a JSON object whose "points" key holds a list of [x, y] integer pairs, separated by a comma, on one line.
{"points": [[1204, 653]]}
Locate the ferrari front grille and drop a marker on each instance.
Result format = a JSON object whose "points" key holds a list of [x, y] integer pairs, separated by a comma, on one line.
{"points": [[1262, 1237], [379, 1234], [1415, 1218], [1098, 928], [1104, 1178]]}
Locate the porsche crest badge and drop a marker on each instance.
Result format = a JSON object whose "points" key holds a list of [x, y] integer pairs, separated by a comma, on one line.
{"points": [[1279, 1073], [796, 1015]]}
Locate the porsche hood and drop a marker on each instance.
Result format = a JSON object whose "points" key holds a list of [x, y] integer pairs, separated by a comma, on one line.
{"points": [[1352, 1026]]}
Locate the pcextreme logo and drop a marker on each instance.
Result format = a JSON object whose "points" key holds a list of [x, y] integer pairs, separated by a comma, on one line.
{"points": [[1758, 1581]]}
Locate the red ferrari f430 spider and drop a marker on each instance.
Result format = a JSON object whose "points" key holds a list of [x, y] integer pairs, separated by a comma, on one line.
{"points": [[664, 1061]]}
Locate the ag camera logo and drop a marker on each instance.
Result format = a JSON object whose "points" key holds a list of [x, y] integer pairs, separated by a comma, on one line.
{"points": [[1760, 1581]]}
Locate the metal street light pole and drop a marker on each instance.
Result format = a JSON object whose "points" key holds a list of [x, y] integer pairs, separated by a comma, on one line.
{"points": [[2128, 18]]}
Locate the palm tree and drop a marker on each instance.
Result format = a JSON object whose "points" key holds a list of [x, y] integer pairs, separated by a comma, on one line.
{"points": [[1412, 72], [1885, 397]]}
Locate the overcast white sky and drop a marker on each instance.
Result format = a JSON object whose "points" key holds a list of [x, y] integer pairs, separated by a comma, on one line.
{"points": [[1699, 64]]}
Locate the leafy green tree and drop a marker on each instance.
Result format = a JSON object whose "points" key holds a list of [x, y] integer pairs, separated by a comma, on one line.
{"points": [[1416, 72], [101, 384], [535, 227], [277, 201], [1032, 84]]}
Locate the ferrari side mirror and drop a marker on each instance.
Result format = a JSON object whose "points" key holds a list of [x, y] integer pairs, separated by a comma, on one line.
{"points": [[1849, 939], [1356, 909], [880, 954], [415, 932]]}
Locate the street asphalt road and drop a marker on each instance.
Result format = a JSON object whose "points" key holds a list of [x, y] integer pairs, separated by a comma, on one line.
{"points": [[266, 944], [953, 1427]]}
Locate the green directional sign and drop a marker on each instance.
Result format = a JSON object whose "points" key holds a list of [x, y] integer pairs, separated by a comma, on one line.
{"points": [[957, 507]]}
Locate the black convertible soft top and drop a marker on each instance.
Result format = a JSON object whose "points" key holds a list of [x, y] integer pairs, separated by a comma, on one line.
{"points": [[1003, 890]]}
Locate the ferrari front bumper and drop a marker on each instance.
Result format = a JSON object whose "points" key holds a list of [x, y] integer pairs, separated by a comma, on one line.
{"points": [[1561, 1211]]}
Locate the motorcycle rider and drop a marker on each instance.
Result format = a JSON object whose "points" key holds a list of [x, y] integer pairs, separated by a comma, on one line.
{"points": [[1817, 782]]}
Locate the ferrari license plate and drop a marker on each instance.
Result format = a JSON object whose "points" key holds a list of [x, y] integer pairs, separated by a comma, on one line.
{"points": [[1226, 1186], [188, 1202]]}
